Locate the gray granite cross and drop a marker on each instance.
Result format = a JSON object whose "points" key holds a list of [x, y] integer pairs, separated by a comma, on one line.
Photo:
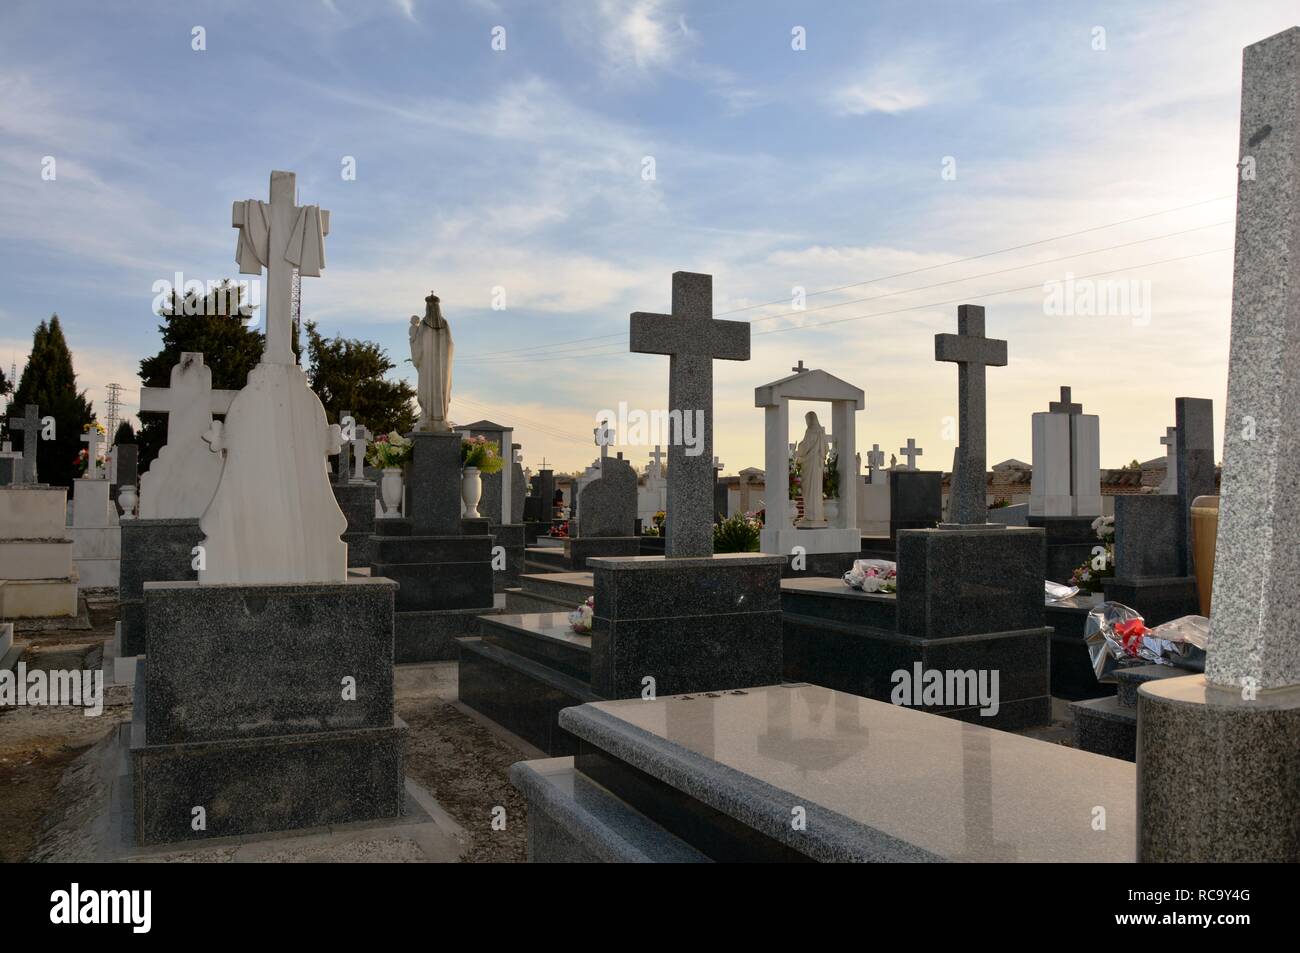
{"points": [[658, 458], [911, 451], [693, 340], [30, 425], [1064, 406], [972, 352], [800, 369]]}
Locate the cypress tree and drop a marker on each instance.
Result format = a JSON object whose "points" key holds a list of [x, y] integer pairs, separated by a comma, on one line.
{"points": [[49, 381]]}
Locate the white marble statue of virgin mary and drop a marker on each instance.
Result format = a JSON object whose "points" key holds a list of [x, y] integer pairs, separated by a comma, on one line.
{"points": [[811, 454], [431, 353]]}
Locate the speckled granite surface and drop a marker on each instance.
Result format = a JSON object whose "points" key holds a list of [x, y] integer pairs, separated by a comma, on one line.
{"points": [[1255, 631], [876, 782]]}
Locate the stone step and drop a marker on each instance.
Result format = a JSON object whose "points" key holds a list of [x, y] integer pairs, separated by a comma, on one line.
{"points": [[545, 559], [520, 600], [1128, 680], [1103, 726], [542, 637], [521, 695], [584, 823], [572, 588]]}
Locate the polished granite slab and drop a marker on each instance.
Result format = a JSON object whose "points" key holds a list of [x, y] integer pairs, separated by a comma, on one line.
{"points": [[549, 626], [877, 781]]}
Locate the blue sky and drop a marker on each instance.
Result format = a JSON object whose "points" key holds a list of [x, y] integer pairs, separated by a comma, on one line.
{"points": [[774, 169]]}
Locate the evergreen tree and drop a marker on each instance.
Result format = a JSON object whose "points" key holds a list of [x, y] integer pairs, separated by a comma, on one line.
{"points": [[348, 374], [125, 433], [50, 382], [217, 330]]}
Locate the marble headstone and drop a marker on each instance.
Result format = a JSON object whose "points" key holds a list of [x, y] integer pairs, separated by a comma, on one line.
{"points": [[180, 483]]}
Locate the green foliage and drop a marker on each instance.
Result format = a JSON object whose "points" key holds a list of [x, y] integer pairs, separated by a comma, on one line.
{"points": [[50, 382], [5, 384], [831, 475], [482, 453], [348, 374], [220, 333], [125, 433], [736, 534]]}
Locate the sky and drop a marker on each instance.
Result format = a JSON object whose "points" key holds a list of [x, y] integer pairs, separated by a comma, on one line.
{"points": [[546, 167]]}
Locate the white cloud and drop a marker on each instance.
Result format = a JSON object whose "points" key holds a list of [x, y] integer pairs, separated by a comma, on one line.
{"points": [[903, 81]]}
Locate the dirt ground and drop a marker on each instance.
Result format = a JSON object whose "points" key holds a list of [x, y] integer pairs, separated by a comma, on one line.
{"points": [[37, 744], [461, 763]]}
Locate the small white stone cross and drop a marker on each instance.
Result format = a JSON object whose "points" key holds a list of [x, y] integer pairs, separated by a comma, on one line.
{"points": [[93, 438], [360, 440], [604, 437]]}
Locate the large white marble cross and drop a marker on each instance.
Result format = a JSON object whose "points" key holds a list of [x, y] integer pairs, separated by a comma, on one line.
{"points": [[92, 438], [693, 340], [30, 426], [972, 352], [280, 235]]}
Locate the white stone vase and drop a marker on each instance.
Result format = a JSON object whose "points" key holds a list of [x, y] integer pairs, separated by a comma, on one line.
{"points": [[127, 500], [390, 485], [471, 491], [794, 511], [831, 508]]}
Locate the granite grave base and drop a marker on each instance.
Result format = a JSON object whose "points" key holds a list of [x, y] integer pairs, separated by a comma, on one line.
{"points": [[1158, 600], [357, 501], [268, 707], [153, 550], [715, 777], [1070, 542], [1237, 760], [690, 624]]}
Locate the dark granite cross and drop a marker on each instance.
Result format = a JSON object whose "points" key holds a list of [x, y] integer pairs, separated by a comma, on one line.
{"points": [[911, 451], [972, 352], [1063, 406], [30, 425], [693, 340], [800, 369]]}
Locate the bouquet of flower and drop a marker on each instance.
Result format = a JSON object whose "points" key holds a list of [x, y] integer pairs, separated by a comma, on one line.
{"points": [[560, 530], [81, 461], [796, 480], [873, 575], [1117, 636], [389, 450], [580, 618], [1091, 576], [482, 453]]}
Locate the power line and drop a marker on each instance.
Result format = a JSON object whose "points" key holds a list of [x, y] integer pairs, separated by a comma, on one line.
{"points": [[989, 294], [955, 261], [893, 294]]}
